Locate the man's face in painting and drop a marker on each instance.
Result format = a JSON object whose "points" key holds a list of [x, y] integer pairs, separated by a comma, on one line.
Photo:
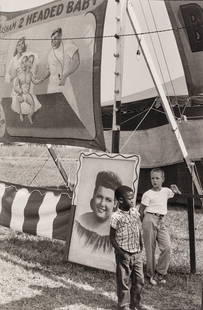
{"points": [[56, 38]]}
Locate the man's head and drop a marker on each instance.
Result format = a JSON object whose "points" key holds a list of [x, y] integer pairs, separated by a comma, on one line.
{"points": [[103, 201], [125, 196], [157, 178], [56, 38]]}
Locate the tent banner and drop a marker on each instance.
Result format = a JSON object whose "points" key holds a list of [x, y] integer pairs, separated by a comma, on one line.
{"points": [[37, 211], [187, 22], [50, 67]]}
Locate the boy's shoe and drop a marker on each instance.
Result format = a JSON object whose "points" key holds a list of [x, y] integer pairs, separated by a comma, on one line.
{"points": [[139, 307], [152, 281], [161, 278]]}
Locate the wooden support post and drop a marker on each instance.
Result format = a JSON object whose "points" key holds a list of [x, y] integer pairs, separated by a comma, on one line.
{"points": [[202, 297], [191, 225], [57, 163], [120, 25], [72, 210], [69, 233], [191, 235]]}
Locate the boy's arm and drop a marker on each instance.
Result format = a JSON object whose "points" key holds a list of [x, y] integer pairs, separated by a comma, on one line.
{"points": [[114, 242], [175, 189], [141, 211]]}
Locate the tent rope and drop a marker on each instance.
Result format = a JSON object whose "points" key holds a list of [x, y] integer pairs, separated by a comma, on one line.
{"points": [[37, 173], [33, 160], [152, 43], [164, 57], [134, 116], [133, 132]]}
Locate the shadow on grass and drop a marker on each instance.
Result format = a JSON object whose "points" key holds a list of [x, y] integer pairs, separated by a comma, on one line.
{"points": [[60, 297], [76, 287], [46, 258]]}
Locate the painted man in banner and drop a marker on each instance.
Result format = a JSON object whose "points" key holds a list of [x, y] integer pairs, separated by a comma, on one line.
{"points": [[63, 60]]}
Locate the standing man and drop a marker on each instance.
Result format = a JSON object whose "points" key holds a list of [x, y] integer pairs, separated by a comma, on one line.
{"points": [[63, 60]]}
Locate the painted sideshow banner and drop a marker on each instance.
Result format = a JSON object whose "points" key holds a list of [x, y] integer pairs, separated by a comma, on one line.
{"points": [[97, 178], [187, 22], [50, 60]]}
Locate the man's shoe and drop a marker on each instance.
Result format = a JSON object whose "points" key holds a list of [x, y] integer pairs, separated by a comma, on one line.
{"points": [[152, 281]]}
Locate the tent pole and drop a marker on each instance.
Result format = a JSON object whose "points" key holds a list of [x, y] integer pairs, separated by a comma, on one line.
{"points": [[120, 26], [57, 163], [152, 69]]}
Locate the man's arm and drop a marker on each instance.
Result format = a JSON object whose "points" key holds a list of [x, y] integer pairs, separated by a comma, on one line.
{"points": [[72, 67]]}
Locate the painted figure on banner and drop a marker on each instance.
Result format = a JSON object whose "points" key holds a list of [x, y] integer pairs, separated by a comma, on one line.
{"points": [[94, 226], [21, 72], [14, 63], [22, 88], [63, 60]]}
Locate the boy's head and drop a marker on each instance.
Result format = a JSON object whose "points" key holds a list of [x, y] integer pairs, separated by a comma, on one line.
{"points": [[103, 200], [157, 178], [125, 196]]}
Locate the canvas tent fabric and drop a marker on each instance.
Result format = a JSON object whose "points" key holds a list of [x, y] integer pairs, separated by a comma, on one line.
{"points": [[158, 146], [36, 211], [187, 18]]}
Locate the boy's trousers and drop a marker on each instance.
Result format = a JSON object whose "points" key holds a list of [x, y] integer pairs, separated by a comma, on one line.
{"points": [[129, 278], [154, 231]]}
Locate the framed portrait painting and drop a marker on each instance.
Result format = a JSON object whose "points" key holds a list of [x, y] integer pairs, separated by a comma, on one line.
{"points": [[98, 175]]}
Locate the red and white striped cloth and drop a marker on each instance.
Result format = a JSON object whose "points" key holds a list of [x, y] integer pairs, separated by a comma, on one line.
{"points": [[38, 211]]}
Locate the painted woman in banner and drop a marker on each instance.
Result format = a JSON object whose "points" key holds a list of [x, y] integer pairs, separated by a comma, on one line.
{"points": [[15, 72]]}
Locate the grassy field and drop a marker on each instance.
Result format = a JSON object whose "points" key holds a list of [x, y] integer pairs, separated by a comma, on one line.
{"points": [[33, 274]]}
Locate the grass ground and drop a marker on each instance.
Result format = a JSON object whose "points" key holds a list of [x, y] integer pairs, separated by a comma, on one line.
{"points": [[33, 274]]}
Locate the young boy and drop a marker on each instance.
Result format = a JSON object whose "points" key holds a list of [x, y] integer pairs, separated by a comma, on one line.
{"points": [[125, 236], [153, 209]]}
